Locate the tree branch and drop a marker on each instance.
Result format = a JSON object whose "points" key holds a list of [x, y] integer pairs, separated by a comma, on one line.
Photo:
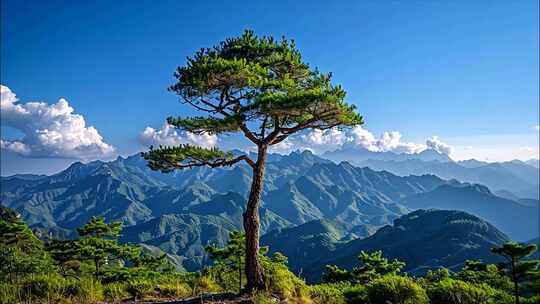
{"points": [[212, 164], [249, 134]]}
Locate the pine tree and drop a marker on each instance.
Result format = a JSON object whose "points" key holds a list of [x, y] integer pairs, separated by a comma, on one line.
{"points": [[519, 270], [374, 265], [260, 88], [99, 243], [21, 252], [232, 255], [66, 254]]}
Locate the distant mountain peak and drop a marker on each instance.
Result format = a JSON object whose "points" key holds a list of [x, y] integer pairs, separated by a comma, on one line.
{"points": [[432, 155], [355, 153]]}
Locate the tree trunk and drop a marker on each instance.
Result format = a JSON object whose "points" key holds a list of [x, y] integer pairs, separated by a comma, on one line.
{"points": [[96, 262], [254, 271], [240, 272], [514, 278]]}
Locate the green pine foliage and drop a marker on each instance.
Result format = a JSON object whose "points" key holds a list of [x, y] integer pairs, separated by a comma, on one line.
{"points": [[374, 265], [259, 86], [99, 244], [519, 269], [229, 261], [396, 289], [450, 291]]}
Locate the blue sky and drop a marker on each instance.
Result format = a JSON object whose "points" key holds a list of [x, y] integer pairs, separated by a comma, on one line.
{"points": [[465, 71]]}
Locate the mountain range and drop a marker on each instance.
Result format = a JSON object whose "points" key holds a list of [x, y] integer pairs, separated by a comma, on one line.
{"points": [[518, 178], [425, 239], [182, 212]]}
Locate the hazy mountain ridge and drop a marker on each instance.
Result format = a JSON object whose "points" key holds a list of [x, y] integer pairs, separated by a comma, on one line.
{"points": [[518, 220], [353, 153], [181, 212], [521, 178]]}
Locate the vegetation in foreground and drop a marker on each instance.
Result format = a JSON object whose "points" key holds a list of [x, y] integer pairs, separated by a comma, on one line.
{"points": [[95, 268]]}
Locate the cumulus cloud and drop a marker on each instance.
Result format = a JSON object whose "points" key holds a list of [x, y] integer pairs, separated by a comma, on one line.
{"points": [[437, 145], [284, 147], [169, 136], [49, 130], [15, 146], [389, 141], [319, 141], [330, 137]]}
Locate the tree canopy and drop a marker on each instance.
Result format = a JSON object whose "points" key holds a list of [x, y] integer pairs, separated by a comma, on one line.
{"points": [[258, 86]]}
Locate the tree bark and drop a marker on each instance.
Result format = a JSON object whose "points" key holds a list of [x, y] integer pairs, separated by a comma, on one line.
{"points": [[514, 278], [96, 262], [254, 271]]}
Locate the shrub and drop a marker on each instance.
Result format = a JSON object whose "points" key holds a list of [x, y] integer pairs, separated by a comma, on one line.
{"points": [[47, 287], [227, 277], [435, 276], [356, 295], [396, 289], [140, 288], [328, 293], [115, 291], [450, 291], [263, 297], [11, 293], [73, 288], [175, 289], [491, 275], [85, 290], [205, 283], [282, 282], [531, 300]]}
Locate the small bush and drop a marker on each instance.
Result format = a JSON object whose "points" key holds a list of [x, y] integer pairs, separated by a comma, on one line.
{"points": [[262, 297], [282, 282], [90, 291], [531, 300], [396, 289], [205, 283], [73, 288], [435, 276], [328, 293], [227, 277], [115, 292], [355, 295], [450, 291], [47, 287], [140, 288], [11, 293], [491, 276], [175, 289]]}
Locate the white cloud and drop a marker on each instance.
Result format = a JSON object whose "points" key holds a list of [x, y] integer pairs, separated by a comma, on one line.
{"points": [[319, 141], [437, 145], [169, 136], [317, 137], [50, 130], [15, 146], [389, 141], [537, 127], [284, 147]]}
